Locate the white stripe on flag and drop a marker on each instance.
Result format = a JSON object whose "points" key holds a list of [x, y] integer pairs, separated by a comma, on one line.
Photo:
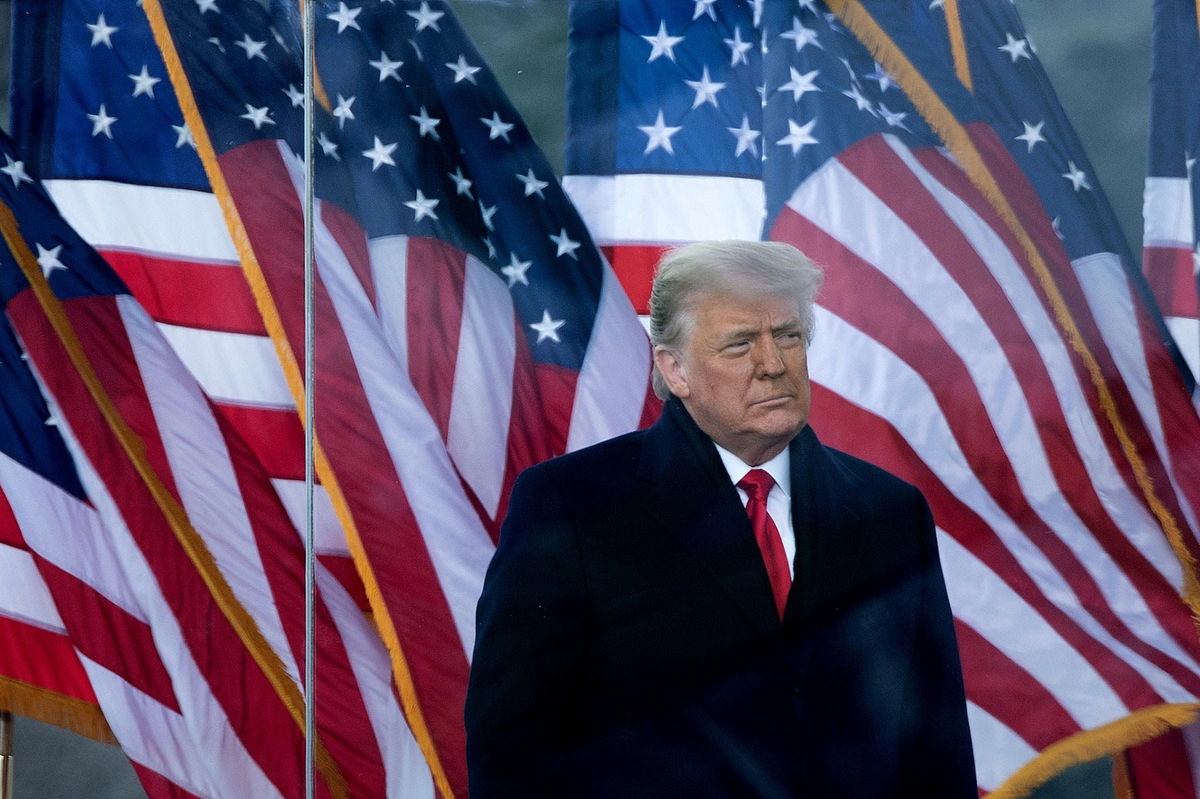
{"points": [[177, 223], [1187, 332], [477, 435], [389, 271], [649, 211], [999, 751], [204, 475], [611, 390], [23, 594], [236, 368], [1167, 213], [328, 538]]}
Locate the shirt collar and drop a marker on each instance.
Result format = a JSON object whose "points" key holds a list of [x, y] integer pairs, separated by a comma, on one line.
{"points": [[779, 467]]}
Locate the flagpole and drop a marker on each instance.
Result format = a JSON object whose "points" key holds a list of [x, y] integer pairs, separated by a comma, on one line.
{"points": [[6, 758], [309, 53]]}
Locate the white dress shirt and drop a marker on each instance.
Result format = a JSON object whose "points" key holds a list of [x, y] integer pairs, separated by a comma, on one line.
{"points": [[779, 501]]}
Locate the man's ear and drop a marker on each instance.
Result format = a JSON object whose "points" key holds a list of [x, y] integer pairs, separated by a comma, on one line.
{"points": [[670, 365]]}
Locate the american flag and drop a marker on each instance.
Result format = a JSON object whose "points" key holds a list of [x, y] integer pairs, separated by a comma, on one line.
{"points": [[176, 571], [1018, 380], [466, 325], [1169, 255]]}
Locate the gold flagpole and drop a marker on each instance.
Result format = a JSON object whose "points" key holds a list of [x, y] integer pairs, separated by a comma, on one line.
{"points": [[6, 759]]}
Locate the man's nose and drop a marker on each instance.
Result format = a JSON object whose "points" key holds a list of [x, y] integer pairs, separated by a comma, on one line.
{"points": [[770, 360]]}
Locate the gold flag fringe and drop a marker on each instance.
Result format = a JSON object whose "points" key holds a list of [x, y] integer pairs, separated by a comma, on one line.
{"points": [[58, 710]]}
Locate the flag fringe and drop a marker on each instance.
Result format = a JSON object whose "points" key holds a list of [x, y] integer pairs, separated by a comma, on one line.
{"points": [[1122, 782], [1138, 727], [933, 109], [958, 45], [402, 675], [58, 710]]}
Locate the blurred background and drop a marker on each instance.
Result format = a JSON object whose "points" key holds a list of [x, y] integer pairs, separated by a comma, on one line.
{"points": [[1097, 53]]}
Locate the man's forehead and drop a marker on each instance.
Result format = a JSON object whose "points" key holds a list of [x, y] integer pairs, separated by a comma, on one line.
{"points": [[736, 308]]}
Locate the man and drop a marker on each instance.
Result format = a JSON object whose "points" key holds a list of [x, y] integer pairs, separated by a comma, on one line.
{"points": [[719, 605]]}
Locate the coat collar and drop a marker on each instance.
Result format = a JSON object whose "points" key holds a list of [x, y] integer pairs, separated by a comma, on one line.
{"points": [[693, 499]]}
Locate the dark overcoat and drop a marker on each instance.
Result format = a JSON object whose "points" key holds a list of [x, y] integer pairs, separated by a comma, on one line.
{"points": [[628, 644]]}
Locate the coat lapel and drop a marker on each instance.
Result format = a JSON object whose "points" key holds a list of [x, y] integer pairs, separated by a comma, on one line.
{"points": [[829, 538], [693, 501]]}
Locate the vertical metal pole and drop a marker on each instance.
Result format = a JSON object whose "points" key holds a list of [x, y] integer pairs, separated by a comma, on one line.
{"points": [[309, 54], [6, 756]]}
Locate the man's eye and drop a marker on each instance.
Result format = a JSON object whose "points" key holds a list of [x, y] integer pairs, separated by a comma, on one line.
{"points": [[737, 346]]}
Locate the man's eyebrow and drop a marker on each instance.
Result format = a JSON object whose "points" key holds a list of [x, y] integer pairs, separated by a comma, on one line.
{"points": [[792, 325]]}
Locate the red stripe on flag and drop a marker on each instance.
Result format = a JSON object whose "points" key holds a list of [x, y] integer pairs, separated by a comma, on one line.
{"points": [[275, 436], [1161, 769], [157, 786], [436, 279], [43, 658], [189, 293], [1170, 271], [10, 530], [353, 244], [634, 265], [857, 430], [107, 634], [882, 171], [343, 569]]}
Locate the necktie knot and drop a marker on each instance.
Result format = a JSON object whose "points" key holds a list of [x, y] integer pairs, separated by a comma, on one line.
{"points": [[757, 484]]}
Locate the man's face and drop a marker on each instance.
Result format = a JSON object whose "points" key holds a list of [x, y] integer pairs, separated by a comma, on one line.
{"points": [[743, 373]]}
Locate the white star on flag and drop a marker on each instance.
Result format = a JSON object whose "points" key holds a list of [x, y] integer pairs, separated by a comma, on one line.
{"points": [[16, 171], [1076, 176], [894, 118], [659, 135], [426, 18], [328, 146], [566, 246], [798, 135], [381, 154], [548, 328], [881, 76], [102, 32], [706, 90], [746, 137], [183, 136], [422, 206], [143, 83], [462, 70], [387, 68], [102, 122], [1016, 48], [342, 112], [661, 43], [497, 128], [515, 271], [800, 35], [254, 49], [532, 184], [257, 116], [800, 85], [704, 7], [487, 212], [426, 124], [860, 100], [738, 48], [48, 259], [345, 17], [462, 185], [1032, 134], [207, 5], [294, 95]]}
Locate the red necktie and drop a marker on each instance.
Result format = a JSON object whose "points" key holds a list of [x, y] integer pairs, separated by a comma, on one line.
{"points": [[757, 484]]}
